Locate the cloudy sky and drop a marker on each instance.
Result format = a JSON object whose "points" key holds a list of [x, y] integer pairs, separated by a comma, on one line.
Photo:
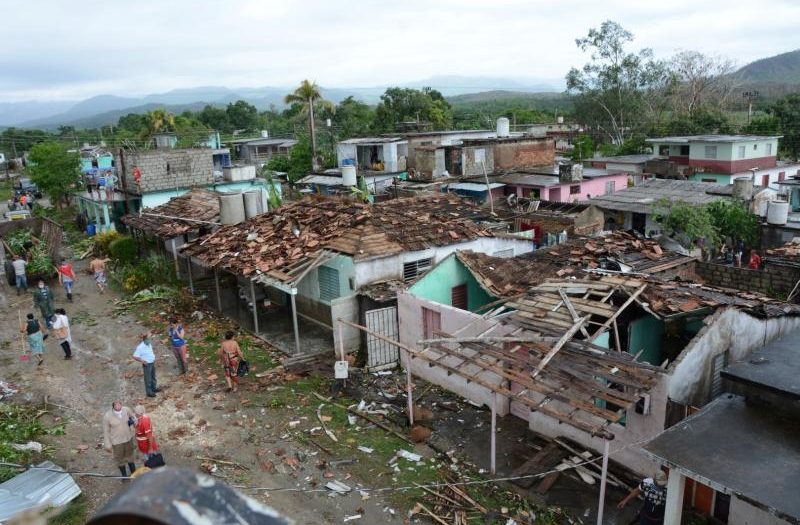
{"points": [[56, 49]]}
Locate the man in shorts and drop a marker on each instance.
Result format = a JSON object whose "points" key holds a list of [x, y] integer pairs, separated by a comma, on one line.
{"points": [[98, 268]]}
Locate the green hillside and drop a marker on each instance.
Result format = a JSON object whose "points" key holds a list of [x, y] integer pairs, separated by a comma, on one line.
{"points": [[780, 69]]}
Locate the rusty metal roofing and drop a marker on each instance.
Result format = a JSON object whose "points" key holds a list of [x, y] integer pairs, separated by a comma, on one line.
{"points": [[166, 221], [43, 486], [296, 234]]}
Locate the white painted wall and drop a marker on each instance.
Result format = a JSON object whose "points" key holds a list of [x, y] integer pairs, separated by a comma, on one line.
{"points": [[345, 151], [727, 330], [743, 513], [392, 267]]}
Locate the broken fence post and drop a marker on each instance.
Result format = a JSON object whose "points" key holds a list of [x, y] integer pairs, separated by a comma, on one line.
{"points": [[603, 476], [493, 446]]}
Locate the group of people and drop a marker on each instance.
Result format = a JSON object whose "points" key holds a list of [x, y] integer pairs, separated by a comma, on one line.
{"points": [[22, 201], [104, 182], [121, 428], [230, 354], [733, 251]]}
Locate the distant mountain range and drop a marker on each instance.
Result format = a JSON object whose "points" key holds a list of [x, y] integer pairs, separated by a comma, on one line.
{"points": [[774, 76], [780, 69], [103, 110]]}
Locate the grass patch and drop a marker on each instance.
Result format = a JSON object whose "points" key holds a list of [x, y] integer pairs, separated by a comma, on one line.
{"points": [[20, 424], [73, 514], [6, 189]]}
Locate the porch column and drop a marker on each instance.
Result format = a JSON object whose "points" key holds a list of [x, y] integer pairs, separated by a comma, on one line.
{"points": [[98, 227], [175, 258], [294, 322], [255, 307], [216, 284], [189, 266], [409, 389], [603, 475], [674, 508], [106, 217], [493, 444]]}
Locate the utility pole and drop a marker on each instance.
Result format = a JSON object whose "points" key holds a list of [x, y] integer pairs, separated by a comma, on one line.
{"points": [[750, 96]]}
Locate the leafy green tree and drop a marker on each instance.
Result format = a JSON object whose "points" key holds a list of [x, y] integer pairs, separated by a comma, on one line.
{"points": [[787, 112], [242, 115], [352, 118], [733, 219], [765, 125], [610, 91], [406, 105], [686, 222], [54, 169], [307, 95], [158, 121], [583, 148], [215, 118], [191, 132]]}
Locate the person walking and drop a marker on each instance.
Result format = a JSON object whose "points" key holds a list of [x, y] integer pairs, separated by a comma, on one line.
{"points": [[20, 267], [67, 277], [654, 492], [118, 433], [98, 269], [35, 338], [62, 332], [43, 300], [145, 440], [738, 251], [177, 337], [230, 354], [145, 355], [755, 260]]}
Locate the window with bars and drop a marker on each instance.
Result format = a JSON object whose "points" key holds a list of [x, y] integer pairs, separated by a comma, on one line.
{"points": [[328, 283], [458, 297], [711, 152], [505, 254], [575, 190], [413, 269], [742, 152], [767, 149]]}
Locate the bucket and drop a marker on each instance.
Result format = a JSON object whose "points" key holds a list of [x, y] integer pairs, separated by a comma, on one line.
{"points": [[90, 230]]}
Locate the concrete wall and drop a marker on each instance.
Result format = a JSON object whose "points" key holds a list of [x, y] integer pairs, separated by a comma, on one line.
{"points": [[167, 169], [744, 513], [437, 139], [345, 152], [391, 267], [346, 308], [437, 285], [471, 157], [772, 280], [728, 330], [524, 153], [638, 426]]}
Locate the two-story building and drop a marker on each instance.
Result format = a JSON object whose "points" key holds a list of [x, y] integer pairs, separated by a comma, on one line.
{"points": [[723, 158]]}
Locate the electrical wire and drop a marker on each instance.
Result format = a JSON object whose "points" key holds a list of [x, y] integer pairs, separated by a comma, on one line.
{"points": [[376, 490]]}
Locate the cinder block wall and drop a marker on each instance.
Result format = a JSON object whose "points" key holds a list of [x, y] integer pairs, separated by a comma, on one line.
{"points": [[772, 280], [524, 154], [165, 169]]}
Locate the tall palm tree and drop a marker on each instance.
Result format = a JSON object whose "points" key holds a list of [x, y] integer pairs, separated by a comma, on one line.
{"points": [[159, 120], [308, 95]]}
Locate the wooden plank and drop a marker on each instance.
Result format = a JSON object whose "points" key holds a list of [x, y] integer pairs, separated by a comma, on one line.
{"points": [[622, 308], [546, 458], [553, 351]]}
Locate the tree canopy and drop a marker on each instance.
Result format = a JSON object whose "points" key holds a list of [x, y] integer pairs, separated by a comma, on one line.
{"points": [[54, 169], [399, 105]]}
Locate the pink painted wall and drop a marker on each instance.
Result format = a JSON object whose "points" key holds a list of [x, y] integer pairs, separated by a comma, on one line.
{"points": [[593, 187]]}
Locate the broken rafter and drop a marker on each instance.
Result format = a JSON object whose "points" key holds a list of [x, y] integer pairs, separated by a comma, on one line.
{"points": [[561, 342], [611, 319]]}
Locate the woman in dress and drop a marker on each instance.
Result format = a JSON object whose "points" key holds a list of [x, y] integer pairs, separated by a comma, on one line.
{"points": [[230, 354], [35, 338]]}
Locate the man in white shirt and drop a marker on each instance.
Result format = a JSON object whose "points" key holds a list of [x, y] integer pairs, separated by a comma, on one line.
{"points": [[20, 266], [144, 354]]}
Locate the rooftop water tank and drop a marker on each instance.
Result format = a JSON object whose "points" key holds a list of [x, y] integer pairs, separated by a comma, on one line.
{"points": [[231, 208], [743, 188], [252, 203], [264, 134], [503, 127], [778, 212], [349, 175]]}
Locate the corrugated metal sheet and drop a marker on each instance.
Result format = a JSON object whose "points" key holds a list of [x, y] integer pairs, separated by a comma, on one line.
{"points": [[37, 487]]}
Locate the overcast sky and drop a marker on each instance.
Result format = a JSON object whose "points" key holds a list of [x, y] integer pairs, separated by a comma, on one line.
{"points": [[57, 49]]}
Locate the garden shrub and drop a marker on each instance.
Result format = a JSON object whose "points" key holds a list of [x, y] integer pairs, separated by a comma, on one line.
{"points": [[123, 250]]}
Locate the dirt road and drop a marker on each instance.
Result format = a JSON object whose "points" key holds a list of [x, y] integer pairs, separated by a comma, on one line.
{"points": [[193, 418]]}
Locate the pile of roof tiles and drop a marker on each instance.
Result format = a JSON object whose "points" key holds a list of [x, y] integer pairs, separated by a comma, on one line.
{"points": [[272, 242], [165, 221]]}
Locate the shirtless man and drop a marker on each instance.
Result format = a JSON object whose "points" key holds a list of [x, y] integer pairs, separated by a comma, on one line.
{"points": [[98, 268]]}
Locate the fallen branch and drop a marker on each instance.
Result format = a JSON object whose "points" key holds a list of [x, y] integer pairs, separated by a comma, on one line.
{"points": [[431, 514], [368, 418], [223, 462], [48, 403], [324, 427]]}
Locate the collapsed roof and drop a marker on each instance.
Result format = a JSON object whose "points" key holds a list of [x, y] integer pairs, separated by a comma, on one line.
{"points": [[180, 215], [285, 243]]}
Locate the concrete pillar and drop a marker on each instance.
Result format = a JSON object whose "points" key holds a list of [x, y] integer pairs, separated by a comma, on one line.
{"points": [[294, 323], [107, 218], [674, 509]]}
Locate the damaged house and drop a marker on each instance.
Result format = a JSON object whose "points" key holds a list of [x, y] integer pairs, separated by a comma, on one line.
{"points": [[591, 356], [306, 262]]}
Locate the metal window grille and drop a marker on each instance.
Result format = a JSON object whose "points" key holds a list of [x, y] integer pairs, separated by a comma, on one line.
{"points": [[505, 254], [711, 152], [328, 283], [413, 269]]}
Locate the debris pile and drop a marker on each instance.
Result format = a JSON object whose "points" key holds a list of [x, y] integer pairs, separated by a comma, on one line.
{"points": [[165, 221], [278, 242]]}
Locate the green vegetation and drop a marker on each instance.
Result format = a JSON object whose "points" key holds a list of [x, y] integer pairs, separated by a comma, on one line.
{"points": [[713, 222], [55, 170], [307, 96], [20, 424], [6, 190], [124, 250], [65, 216], [102, 242], [146, 273], [73, 514], [18, 239], [400, 105]]}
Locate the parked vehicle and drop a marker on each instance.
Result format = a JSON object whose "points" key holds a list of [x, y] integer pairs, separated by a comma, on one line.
{"points": [[24, 185]]}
